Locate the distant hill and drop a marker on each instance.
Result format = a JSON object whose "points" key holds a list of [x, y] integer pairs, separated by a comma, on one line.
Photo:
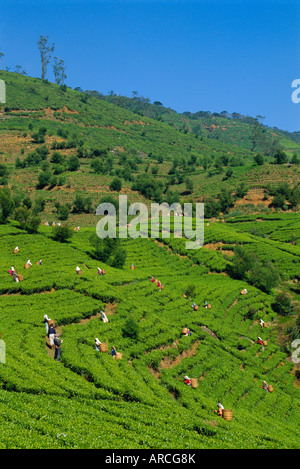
{"points": [[245, 131], [100, 122], [56, 142]]}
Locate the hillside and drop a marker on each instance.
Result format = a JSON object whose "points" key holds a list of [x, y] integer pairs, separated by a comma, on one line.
{"points": [[62, 151], [139, 399], [235, 129], [106, 141]]}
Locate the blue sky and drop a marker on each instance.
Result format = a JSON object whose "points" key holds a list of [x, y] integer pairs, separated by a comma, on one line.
{"points": [[215, 55]]}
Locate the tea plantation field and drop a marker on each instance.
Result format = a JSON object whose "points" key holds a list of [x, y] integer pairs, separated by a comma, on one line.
{"points": [[90, 400]]}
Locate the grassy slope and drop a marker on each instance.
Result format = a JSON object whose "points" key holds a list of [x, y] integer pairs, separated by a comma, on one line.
{"points": [[89, 388], [99, 124], [140, 399], [236, 131], [99, 121]]}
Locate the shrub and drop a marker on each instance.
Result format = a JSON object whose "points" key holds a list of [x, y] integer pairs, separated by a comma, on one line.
{"points": [[247, 266], [131, 329], [32, 224], [225, 200], [27, 202], [280, 157], [73, 163], [62, 233], [241, 190], [190, 291], [259, 159], [3, 174], [264, 275], [116, 184], [211, 208], [108, 250], [57, 158], [82, 205], [20, 215], [38, 205], [63, 211], [283, 305], [6, 205], [250, 313], [148, 186], [44, 179], [97, 165]]}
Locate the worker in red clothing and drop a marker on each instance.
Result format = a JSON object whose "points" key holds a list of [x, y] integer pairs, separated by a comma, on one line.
{"points": [[259, 341], [187, 380]]}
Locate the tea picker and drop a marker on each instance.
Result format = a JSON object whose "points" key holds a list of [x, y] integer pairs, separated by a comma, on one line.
{"points": [[220, 409], [262, 323], [97, 344], [187, 380], [47, 322], [57, 342], [104, 317], [16, 278], [186, 332], [51, 334], [265, 386], [113, 352], [260, 342]]}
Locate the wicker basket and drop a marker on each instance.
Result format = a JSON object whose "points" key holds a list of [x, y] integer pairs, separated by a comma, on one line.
{"points": [[227, 414], [185, 330], [79, 272], [103, 347], [103, 272], [270, 388], [265, 342], [26, 266], [16, 251], [208, 306], [132, 267], [20, 277], [194, 383], [118, 356], [196, 308]]}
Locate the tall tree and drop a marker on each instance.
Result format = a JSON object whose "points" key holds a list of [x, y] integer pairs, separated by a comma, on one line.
{"points": [[46, 52], [59, 71]]}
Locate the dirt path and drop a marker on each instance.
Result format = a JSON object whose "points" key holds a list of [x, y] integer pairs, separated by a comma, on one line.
{"points": [[110, 309], [167, 362]]}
